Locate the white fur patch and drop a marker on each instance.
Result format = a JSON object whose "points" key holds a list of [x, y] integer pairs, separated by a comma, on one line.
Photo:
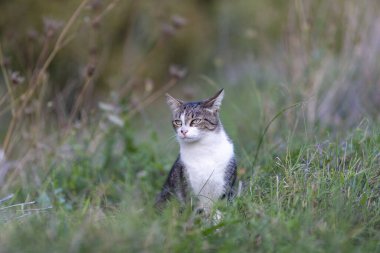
{"points": [[206, 161]]}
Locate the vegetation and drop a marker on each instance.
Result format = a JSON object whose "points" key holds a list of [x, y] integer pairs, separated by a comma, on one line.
{"points": [[86, 143]]}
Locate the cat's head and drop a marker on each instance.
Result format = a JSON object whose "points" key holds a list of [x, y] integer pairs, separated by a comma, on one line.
{"points": [[194, 120]]}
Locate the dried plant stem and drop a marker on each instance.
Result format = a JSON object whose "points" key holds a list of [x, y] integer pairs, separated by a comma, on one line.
{"points": [[18, 205], [109, 7], [9, 134], [13, 174], [35, 81], [35, 210], [79, 100], [2, 101], [89, 79], [7, 82], [152, 97], [6, 108], [58, 46], [10, 196], [13, 109]]}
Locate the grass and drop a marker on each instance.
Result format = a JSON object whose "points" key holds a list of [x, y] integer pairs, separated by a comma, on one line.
{"points": [[316, 197]]}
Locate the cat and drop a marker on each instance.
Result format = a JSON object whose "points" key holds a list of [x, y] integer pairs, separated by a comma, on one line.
{"points": [[206, 165]]}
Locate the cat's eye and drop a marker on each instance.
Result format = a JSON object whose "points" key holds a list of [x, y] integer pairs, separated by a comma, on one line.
{"points": [[195, 122], [177, 123]]}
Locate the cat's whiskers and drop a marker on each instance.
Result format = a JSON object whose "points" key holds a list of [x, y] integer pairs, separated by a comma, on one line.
{"points": [[172, 137]]}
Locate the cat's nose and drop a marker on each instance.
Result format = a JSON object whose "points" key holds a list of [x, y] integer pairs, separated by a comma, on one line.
{"points": [[184, 132]]}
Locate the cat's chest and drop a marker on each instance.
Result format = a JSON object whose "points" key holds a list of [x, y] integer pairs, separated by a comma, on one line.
{"points": [[206, 167]]}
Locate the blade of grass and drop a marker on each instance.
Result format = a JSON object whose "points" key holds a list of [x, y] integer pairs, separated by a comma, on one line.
{"points": [[267, 127]]}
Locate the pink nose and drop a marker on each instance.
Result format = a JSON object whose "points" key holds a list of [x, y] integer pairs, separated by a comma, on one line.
{"points": [[184, 132]]}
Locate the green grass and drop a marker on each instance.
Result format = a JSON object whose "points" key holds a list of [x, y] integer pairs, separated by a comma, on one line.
{"points": [[316, 197]]}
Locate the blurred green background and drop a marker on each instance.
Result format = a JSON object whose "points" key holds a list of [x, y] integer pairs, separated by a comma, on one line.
{"points": [[324, 51]]}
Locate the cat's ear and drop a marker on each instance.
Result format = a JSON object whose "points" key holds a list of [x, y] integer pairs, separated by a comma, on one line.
{"points": [[173, 103], [215, 101]]}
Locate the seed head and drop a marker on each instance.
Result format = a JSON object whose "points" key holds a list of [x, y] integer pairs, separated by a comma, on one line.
{"points": [[178, 21], [177, 71], [16, 78]]}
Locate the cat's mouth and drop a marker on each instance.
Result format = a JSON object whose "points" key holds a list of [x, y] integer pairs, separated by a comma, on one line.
{"points": [[187, 138]]}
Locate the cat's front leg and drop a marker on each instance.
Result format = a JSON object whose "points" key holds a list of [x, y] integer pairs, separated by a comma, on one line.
{"points": [[175, 185]]}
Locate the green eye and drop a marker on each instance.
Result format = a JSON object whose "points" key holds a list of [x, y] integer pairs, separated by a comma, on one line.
{"points": [[195, 122], [177, 123]]}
